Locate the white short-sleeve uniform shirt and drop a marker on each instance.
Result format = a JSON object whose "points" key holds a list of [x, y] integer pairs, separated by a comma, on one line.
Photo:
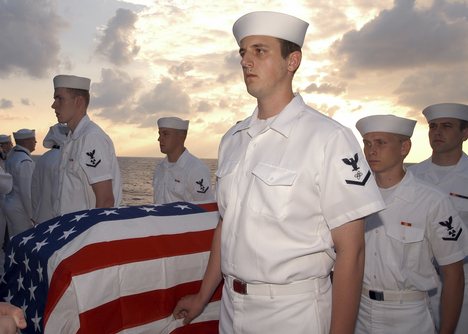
{"points": [[87, 157], [187, 180], [418, 225], [282, 188], [453, 180]]}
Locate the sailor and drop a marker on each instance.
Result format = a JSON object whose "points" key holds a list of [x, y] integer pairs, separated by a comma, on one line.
{"points": [[418, 225], [6, 184], [44, 187], [89, 174], [17, 204], [447, 168], [5, 147], [180, 176], [292, 188]]}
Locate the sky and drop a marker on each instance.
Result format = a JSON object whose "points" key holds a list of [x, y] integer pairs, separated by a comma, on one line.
{"points": [[153, 58]]}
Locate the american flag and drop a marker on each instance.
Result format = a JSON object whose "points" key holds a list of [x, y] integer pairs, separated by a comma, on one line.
{"points": [[118, 270]]}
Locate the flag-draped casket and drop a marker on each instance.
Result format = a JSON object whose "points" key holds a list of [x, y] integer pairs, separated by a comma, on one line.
{"points": [[118, 270]]}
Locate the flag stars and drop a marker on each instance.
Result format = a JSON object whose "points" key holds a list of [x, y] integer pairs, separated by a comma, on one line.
{"points": [[66, 234], [79, 217], [9, 297], [26, 239], [36, 321], [148, 209], [39, 245], [26, 263], [182, 207], [24, 307], [51, 228], [11, 256], [20, 282], [32, 289], [108, 212], [40, 272]]}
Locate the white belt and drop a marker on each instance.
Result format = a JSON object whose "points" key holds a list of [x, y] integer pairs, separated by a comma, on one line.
{"points": [[315, 285], [389, 295]]}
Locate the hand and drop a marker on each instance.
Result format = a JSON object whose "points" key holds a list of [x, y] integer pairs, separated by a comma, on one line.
{"points": [[11, 318], [188, 307]]}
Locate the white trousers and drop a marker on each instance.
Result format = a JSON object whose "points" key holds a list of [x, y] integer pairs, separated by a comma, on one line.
{"points": [[390, 317], [306, 313]]}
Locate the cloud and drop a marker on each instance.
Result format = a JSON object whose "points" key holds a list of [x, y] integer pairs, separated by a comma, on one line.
{"points": [[434, 86], [117, 43], [25, 101], [6, 104], [29, 37], [326, 88], [115, 88], [406, 36]]}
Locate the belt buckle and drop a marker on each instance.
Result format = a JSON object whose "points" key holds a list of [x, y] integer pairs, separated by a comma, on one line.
{"points": [[376, 295], [239, 286]]}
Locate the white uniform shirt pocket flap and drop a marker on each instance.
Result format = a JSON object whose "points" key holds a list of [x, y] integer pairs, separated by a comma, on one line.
{"points": [[405, 232], [274, 175]]}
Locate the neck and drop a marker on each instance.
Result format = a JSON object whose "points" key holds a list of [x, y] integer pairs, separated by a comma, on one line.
{"points": [[273, 105], [174, 156], [447, 158], [73, 123], [390, 178]]}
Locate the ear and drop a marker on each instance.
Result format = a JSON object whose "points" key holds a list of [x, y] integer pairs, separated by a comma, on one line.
{"points": [[465, 133], [405, 147], [294, 60]]}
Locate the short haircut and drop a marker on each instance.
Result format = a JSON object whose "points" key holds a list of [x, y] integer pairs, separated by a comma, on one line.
{"points": [[80, 92], [463, 124], [288, 47]]}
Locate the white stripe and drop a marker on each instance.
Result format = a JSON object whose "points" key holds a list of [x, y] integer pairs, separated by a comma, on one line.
{"points": [[134, 228], [104, 285]]}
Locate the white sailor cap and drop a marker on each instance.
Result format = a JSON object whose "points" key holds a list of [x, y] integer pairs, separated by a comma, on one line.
{"points": [[24, 134], [5, 139], [56, 136], [72, 81], [449, 110], [386, 123], [272, 24], [173, 123]]}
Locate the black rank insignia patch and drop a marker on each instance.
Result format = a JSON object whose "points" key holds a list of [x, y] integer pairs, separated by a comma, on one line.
{"points": [[202, 188], [359, 178], [452, 232], [92, 159]]}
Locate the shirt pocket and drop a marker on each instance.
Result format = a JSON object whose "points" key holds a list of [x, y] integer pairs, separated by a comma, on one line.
{"points": [[271, 190], [408, 241]]}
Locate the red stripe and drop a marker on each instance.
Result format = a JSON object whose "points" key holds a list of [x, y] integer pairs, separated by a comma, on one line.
{"points": [[206, 327], [106, 254], [136, 310], [209, 207]]}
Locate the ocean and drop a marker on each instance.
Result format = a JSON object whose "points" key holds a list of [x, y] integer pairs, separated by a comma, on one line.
{"points": [[137, 178]]}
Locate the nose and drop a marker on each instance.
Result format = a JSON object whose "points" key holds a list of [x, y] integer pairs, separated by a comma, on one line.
{"points": [[246, 61], [53, 105]]}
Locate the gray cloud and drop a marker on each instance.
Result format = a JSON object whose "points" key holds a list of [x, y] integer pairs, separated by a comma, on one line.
{"points": [[6, 104], [326, 88], [404, 36], [181, 69], [115, 88], [117, 43], [25, 102], [29, 37]]}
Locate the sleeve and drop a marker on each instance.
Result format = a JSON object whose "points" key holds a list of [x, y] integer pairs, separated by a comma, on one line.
{"points": [[446, 232], [26, 169], [199, 183], [348, 189], [6, 182], [97, 157]]}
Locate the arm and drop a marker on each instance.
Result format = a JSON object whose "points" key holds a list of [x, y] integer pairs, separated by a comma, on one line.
{"points": [[189, 307], [25, 175], [451, 298], [348, 274], [104, 195]]}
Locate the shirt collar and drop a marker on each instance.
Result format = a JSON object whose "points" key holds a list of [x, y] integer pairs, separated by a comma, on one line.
{"points": [[405, 190], [80, 128], [283, 122]]}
